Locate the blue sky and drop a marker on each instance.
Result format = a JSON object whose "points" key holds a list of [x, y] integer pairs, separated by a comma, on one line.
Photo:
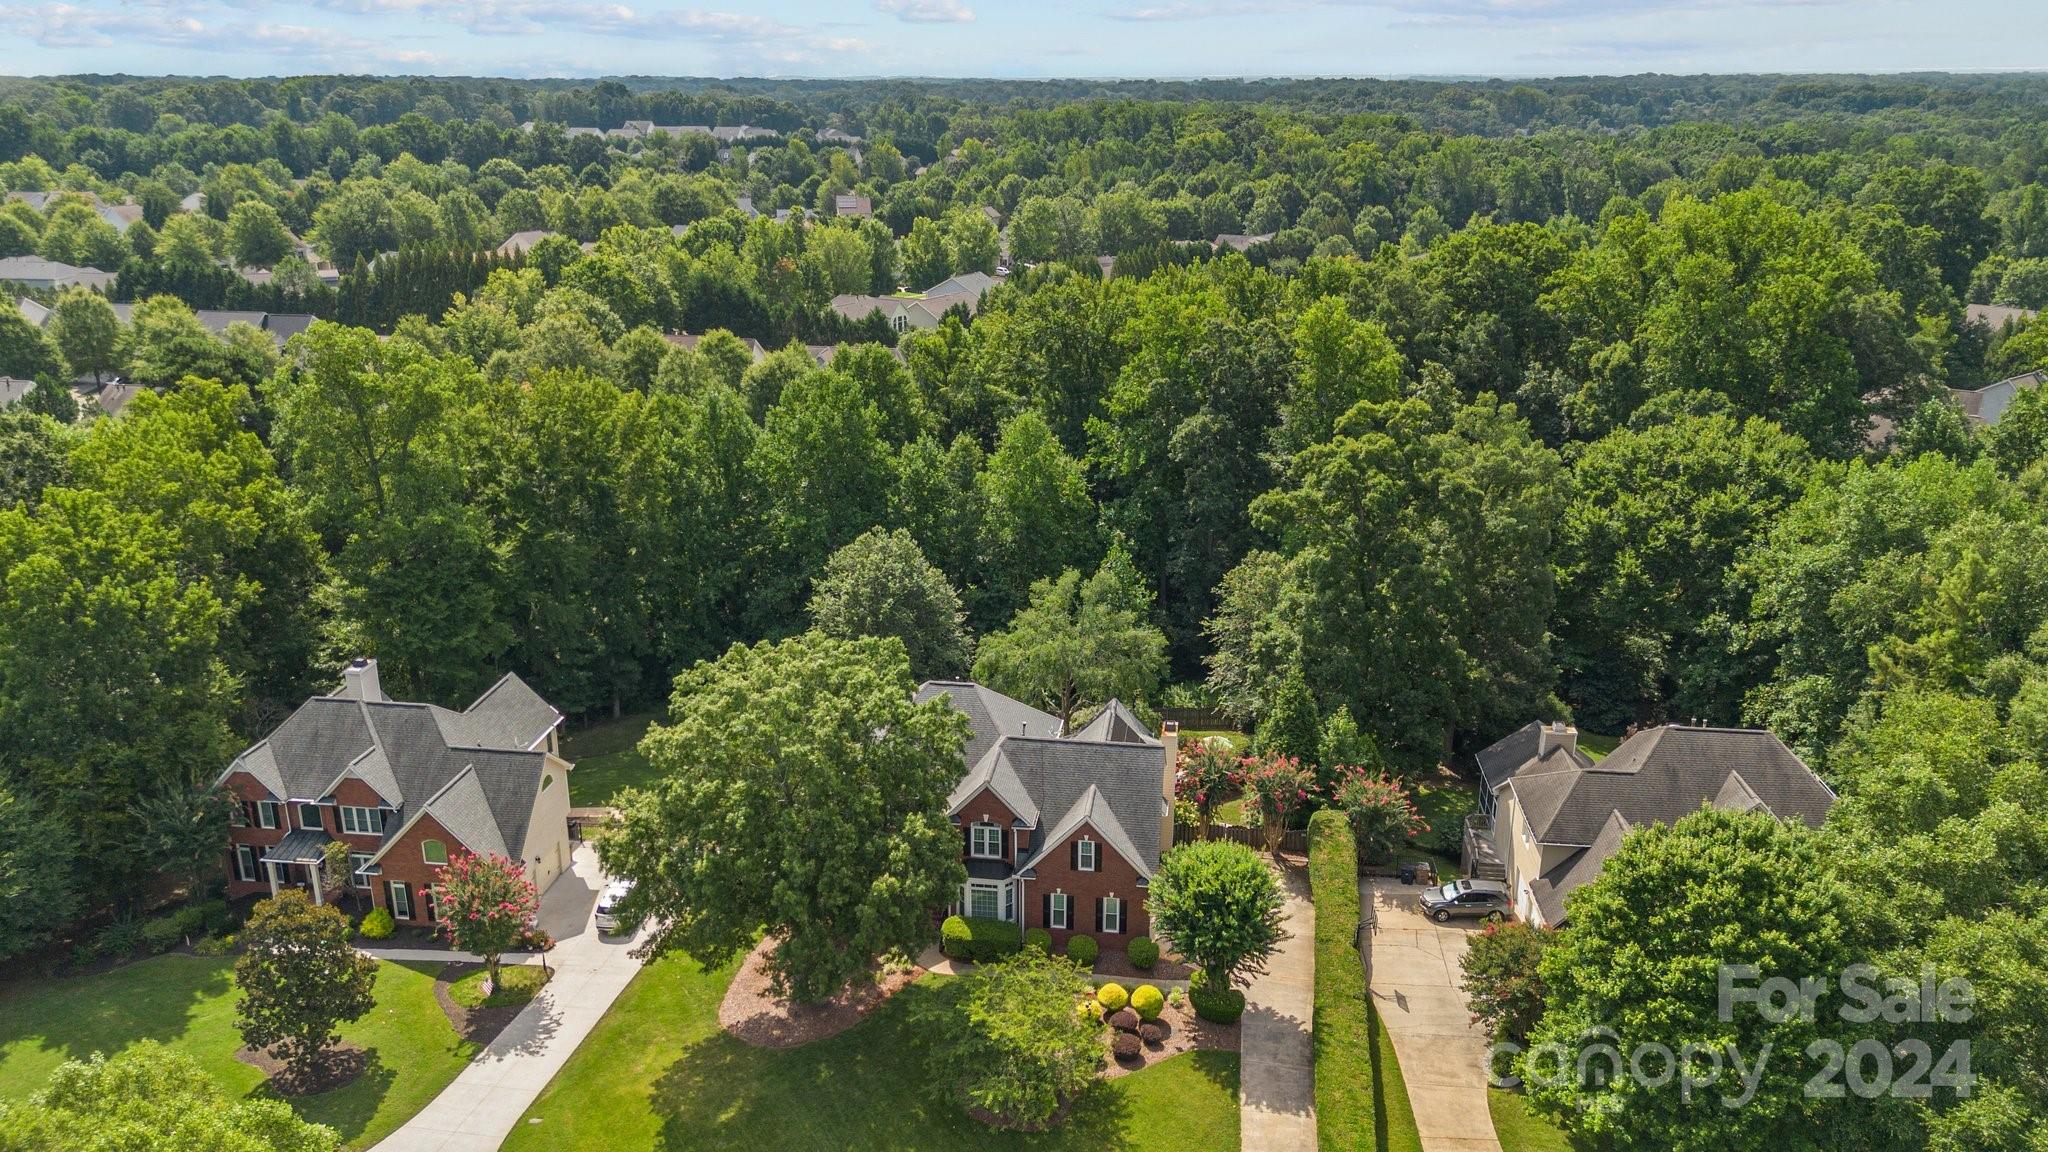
{"points": [[1025, 38]]}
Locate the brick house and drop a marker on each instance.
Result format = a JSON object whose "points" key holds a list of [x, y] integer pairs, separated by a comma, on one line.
{"points": [[1060, 831], [406, 786]]}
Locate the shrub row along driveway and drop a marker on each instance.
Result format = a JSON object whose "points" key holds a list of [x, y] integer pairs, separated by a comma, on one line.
{"points": [[1415, 984]]}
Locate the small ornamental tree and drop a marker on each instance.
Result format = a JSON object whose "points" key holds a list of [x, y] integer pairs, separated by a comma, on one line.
{"points": [[1219, 904], [300, 977], [1202, 776], [1010, 1038], [487, 906], [1502, 979], [1382, 816], [1278, 787]]}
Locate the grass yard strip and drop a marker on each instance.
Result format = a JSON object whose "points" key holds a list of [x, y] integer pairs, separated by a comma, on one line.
{"points": [[1596, 747], [658, 1073], [188, 1002], [1361, 1100], [608, 760], [517, 984], [1522, 1129]]}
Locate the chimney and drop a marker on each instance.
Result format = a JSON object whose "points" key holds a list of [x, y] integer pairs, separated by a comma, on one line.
{"points": [[1169, 739], [1556, 734], [359, 680]]}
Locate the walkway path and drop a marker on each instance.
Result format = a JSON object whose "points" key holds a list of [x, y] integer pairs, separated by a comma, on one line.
{"points": [[1415, 985], [1278, 1068], [480, 1108]]}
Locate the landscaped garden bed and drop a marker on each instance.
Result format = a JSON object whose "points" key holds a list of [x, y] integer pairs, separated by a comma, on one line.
{"points": [[477, 1018], [752, 1011]]}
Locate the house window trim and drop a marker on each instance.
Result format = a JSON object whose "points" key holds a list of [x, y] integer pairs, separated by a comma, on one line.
{"points": [[319, 823], [368, 821], [995, 895], [268, 814], [357, 874], [246, 870], [992, 833], [1059, 915], [392, 892], [1106, 905], [427, 859], [1087, 855]]}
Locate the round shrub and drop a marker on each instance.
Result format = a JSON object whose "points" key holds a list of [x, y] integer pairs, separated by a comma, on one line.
{"points": [[1142, 953], [1124, 1020], [1112, 996], [378, 924], [954, 937], [1125, 1045], [1082, 949], [1039, 939], [1148, 1001], [1151, 1033], [1216, 1005]]}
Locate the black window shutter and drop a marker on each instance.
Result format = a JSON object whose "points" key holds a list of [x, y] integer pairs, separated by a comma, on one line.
{"points": [[1098, 914], [1074, 856], [967, 829], [1045, 910]]}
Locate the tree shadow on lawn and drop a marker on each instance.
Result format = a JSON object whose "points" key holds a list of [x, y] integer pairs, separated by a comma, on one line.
{"points": [[154, 999], [349, 1108], [867, 1088]]}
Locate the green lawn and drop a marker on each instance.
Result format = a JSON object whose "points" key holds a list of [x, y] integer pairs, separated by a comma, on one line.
{"points": [[1521, 1129], [1596, 746], [658, 1074], [517, 984], [608, 760], [188, 1002]]}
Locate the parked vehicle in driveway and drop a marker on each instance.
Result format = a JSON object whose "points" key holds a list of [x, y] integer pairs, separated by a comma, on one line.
{"points": [[607, 919], [1486, 898]]}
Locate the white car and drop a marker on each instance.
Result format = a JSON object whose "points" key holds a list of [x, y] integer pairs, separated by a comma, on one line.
{"points": [[608, 904]]}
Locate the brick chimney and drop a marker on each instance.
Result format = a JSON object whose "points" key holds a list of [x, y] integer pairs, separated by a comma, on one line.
{"points": [[1169, 739], [359, 680], [1556, 734]]}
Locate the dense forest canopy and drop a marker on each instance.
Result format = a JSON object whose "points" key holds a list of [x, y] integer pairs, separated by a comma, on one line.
{"points": [[1628, 399]]}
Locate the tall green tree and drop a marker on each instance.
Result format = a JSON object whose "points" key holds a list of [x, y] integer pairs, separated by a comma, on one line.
{"points": [[1077, 642], [882, 585], [301, 979], [86, 333], [1039, 519], [836, 840]]}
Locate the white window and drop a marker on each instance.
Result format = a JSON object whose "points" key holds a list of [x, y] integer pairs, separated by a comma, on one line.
{"points": [[1009, 901], [267, 814], [1058, 910], [984, 901], [401, 901], [433, 852], [358, 865], [902, 322], [309, 817], [362, 821], [1112, 915], [985, 841], [245, 863], [1086, 856]]}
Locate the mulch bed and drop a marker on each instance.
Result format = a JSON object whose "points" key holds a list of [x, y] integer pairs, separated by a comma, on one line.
{"points": [[477, 1025], [1112, 962], [337, 1067], [753, 1013], [1185, 1032]]}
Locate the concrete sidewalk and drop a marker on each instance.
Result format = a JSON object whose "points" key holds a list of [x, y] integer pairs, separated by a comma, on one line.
{"points": [[484, 1103], [1416, 977], [1277, 1070]]}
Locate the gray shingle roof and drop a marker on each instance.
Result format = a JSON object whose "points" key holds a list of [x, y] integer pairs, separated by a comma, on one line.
{"points": [[1116, 723], [1511, 753], [1577, 870], [1662, 774], [1015, 750], [414, 755]]}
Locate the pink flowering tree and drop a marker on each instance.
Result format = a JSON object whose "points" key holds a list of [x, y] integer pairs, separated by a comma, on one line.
{"points": [[1381, 812], [487, 906], [1278, 787], [1203, 778]]}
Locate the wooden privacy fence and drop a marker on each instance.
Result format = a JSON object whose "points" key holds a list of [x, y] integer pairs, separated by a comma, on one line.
{"points": [[1197, 718], [1294, 840]]}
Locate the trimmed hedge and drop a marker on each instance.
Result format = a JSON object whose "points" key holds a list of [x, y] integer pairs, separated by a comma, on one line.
{"points": [[1148, 1002], [1216, 1005], [1038, 938], [979, 939], [1355, 1063], [1142, 952], [1082, 950]]}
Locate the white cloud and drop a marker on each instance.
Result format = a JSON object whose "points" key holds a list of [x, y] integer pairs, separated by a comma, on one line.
{"points": [[927, 11], [77, 26]]}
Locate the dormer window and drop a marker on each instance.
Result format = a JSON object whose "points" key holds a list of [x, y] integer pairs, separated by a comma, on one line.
{"points": [[1087, 857], [362, 821], [309, 817], [985, 841], [268, 814]]}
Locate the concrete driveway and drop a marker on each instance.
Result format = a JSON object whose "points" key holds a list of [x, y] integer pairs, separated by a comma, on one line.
{"points": [[1415, 986]]}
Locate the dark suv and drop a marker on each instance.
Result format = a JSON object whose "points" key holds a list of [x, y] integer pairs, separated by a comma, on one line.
{"points": [[1488, 898]]}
